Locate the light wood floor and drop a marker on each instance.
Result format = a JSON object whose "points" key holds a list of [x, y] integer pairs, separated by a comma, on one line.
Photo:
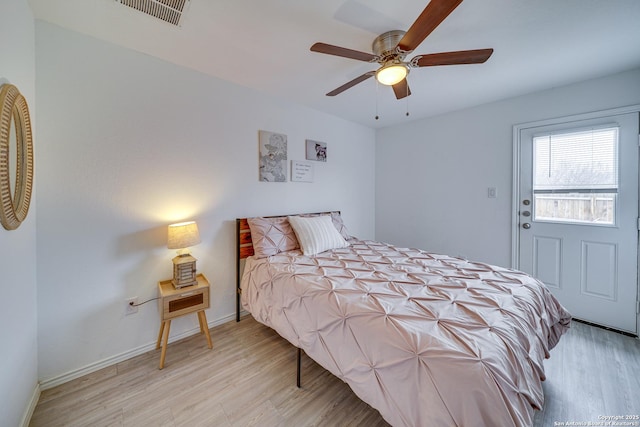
{"points": [[248, 379]]}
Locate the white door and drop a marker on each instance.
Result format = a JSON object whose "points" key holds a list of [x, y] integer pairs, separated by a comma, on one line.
{"points": [[578, 216]]}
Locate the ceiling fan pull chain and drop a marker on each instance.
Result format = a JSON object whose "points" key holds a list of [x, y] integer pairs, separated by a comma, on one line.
{"points": [[407, 98], [377, 85]]}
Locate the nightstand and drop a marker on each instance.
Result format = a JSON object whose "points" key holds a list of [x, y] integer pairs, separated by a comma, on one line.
{"points": [[178, 302]]}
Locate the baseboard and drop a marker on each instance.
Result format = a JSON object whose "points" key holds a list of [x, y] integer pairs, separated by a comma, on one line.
{"points": [[26, 418], [109, 361]]}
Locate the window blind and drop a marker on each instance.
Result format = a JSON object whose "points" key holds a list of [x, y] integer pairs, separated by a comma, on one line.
{"points": [[578, 161]]}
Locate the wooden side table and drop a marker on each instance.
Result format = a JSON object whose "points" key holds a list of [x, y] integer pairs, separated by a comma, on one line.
{"points": [[178, 302]]}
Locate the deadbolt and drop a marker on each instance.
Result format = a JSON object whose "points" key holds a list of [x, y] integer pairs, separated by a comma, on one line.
{"points": [[526, 226], [526, 213], [526, 202]]}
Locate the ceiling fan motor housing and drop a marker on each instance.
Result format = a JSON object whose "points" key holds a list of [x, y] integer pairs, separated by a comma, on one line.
{"points": [[385, 45]]}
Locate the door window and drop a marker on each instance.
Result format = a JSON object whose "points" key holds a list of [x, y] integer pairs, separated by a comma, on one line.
{"points": [[575, 178]]}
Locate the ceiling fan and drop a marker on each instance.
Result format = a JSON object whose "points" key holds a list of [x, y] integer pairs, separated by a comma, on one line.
{"points": [[391, 48]]}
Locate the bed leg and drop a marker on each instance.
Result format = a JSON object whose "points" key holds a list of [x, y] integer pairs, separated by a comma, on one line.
{"points": [[298, 377], [237, 306]]}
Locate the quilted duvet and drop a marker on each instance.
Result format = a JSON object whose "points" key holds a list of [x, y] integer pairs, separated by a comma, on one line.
{"points": [[426, 339]]}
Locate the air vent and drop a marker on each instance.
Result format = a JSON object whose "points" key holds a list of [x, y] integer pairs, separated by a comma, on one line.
{"points": [[166, 10]]}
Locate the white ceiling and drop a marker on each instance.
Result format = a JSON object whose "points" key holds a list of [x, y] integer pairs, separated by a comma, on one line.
{"points": [[264, 45]]}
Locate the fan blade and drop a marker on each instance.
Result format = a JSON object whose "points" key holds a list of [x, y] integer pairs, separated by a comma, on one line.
{"points": [[352, 83], [402, 89], [477, 56], [435, 12], [330, 49]]}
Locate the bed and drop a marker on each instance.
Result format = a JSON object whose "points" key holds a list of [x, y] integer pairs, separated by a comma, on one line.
{"points": [[424, 338]]}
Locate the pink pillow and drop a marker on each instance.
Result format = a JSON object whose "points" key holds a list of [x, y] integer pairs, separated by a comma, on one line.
{"points": [[270, 236], [339, 224]]}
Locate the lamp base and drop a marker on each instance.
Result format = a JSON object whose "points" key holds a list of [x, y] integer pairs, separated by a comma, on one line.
{"points": [[184, 271]]}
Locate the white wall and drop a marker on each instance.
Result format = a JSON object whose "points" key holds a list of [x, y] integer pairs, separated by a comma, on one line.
{"points": [[432, 175], [131, 144], [18, 316]]}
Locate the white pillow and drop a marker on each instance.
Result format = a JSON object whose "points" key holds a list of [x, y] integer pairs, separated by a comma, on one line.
{"points": [[316, 234]]}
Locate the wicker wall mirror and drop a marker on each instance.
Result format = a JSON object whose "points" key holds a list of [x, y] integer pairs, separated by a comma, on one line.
{"points": [[16, 157]]}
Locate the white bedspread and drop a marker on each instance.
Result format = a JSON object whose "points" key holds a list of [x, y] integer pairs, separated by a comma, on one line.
{"points": [[426, 339]]}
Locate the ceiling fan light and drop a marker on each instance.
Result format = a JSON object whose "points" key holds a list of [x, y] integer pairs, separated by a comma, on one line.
{"points": [[391, 74]]}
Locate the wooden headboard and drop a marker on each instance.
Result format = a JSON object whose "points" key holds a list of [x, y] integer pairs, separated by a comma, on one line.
{"points": [[243, 236], [244, 248]]}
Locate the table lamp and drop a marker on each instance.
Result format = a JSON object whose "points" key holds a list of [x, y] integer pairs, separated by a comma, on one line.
{"points": [[181, 236]]}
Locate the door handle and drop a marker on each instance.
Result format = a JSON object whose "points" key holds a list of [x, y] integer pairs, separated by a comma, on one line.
{"points": [[526, 226]]}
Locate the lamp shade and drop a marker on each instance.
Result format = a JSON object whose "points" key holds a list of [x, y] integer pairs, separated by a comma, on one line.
{"points": [[183, 235], [392, 73]]}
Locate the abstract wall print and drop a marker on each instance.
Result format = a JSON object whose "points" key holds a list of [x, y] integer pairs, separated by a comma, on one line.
{"points": [[273, 156], [316, 150]]}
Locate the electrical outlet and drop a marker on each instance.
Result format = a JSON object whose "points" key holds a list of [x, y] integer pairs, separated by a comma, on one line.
{"points": [[131, 309]]}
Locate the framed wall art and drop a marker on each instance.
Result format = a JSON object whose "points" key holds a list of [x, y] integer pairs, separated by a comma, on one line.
{"points": [[273, 156], [301, 171], [316, 150]]}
